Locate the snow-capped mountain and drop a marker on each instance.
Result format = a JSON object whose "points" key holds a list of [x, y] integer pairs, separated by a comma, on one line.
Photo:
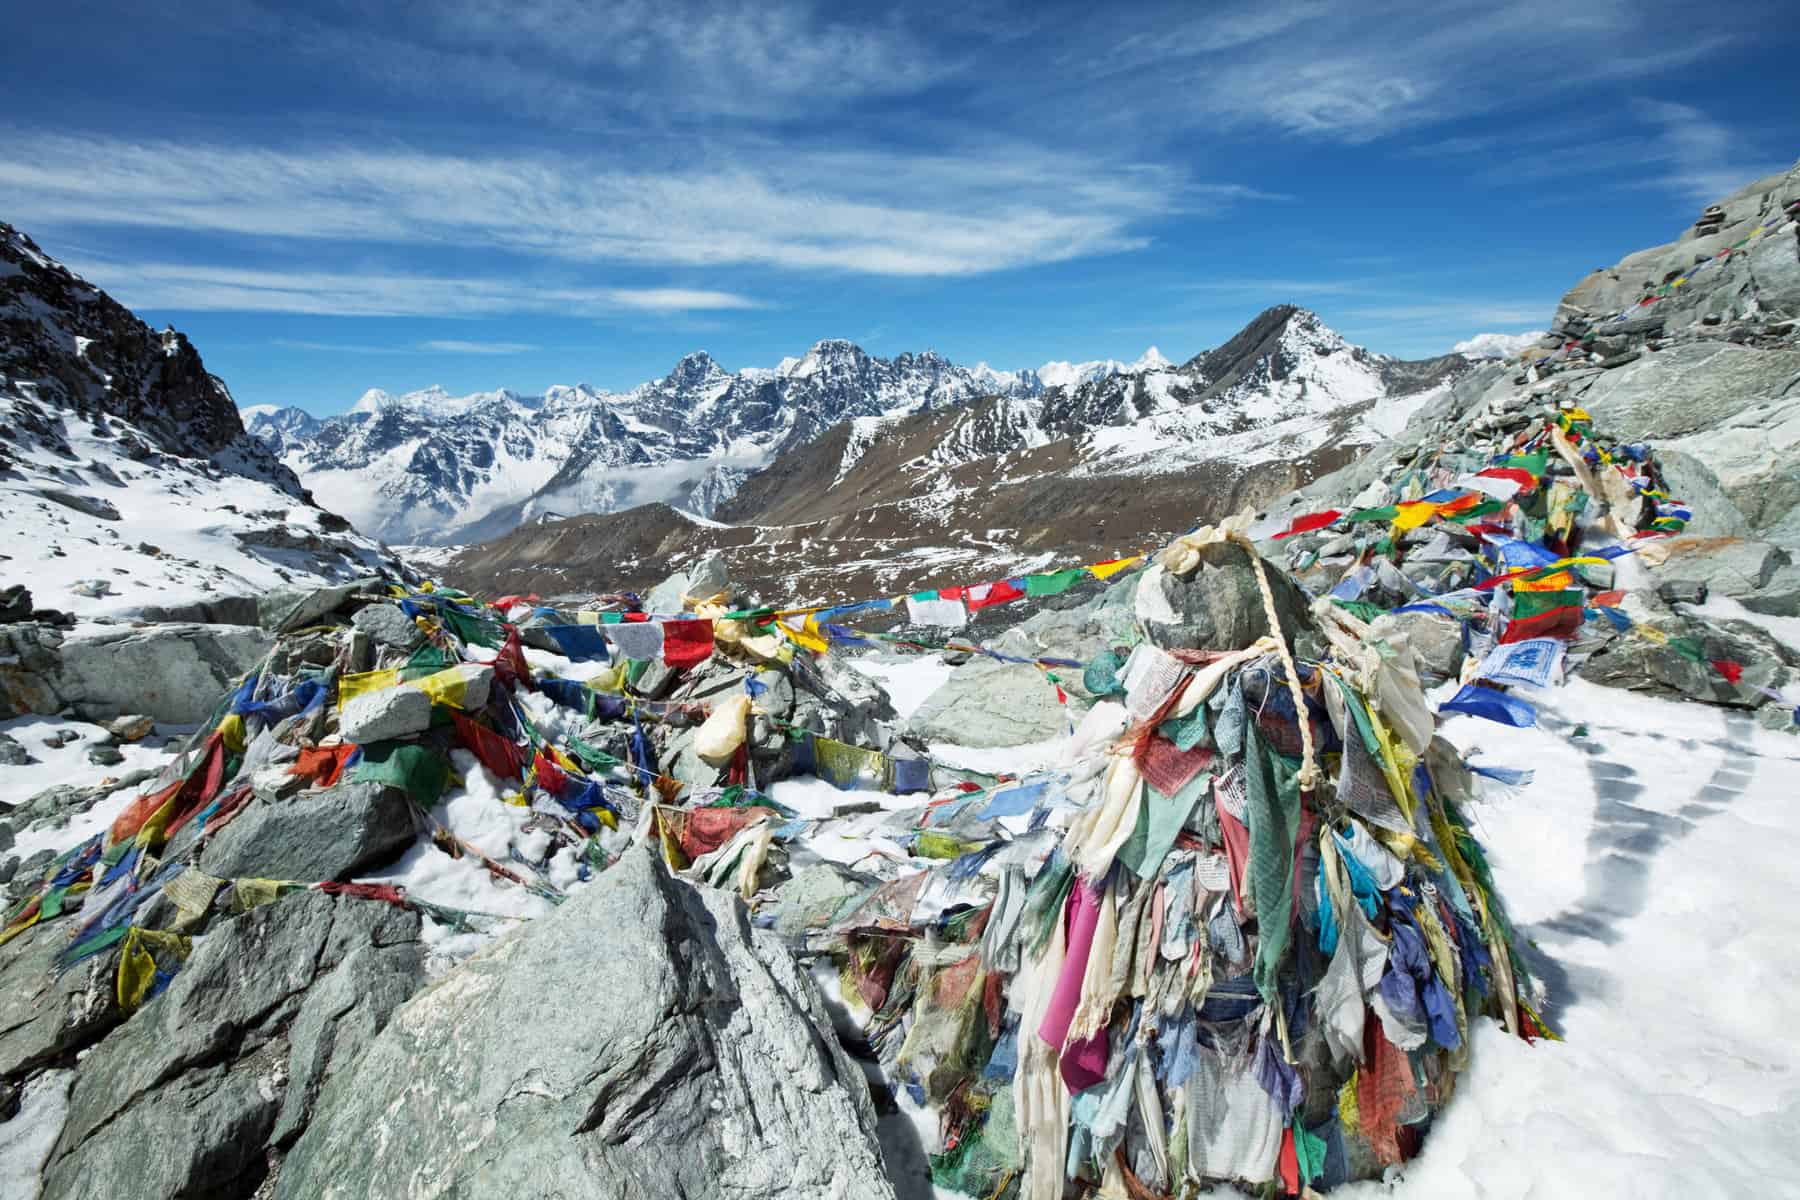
{"points": [[127, 482], [430, 467], [1003, 483]]}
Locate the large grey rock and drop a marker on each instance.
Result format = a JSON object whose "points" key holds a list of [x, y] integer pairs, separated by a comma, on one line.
{"points": [[1734, 408], [1736, 567], [1640, 664], [45, 1014], [641, 1041], [174, 673], [289, 609], [986, 703], [184, 1098], [382, 716], [1219, 606], [388, 625], [315, 836], [1437, 641]]}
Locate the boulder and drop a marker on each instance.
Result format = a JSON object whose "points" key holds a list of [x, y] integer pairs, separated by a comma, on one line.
{"points": [[986, 703], [46, 1014], [1437, 641], [382, 716], [130, 728], [172, 673], [1681, 667], [1219, 605], [316, 836], [15, 604], [12, 754], [288, 609], [388, 626], [702, 1065], [1736, 567], [185, 1098]]}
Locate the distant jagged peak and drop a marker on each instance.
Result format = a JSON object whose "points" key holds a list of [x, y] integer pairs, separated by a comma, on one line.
{"points": [[434, 401]]}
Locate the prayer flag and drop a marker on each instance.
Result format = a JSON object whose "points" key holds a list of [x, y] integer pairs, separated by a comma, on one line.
{"points": [[1491, 705], [1112, 566], [1307, 523], [579, 643]]}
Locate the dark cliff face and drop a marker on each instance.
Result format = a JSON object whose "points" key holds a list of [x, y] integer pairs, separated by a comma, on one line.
{"points": [[67, 346]]}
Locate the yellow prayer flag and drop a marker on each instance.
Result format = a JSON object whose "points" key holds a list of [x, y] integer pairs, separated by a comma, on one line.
{"points": [[231, 732], [447, 686], [1556, 581], [352, 686], [1104, 570], [1414, 514]]}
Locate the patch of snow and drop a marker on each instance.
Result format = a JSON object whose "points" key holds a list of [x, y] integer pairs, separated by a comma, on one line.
{"points": [[28, 1137], [908, 680]]}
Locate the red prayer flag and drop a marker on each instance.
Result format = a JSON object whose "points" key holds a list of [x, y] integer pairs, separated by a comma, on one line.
{"points": [[1310, 522], [510, 665], [1562, 623], [1610, 599], [1732, 671], [499, 755], [322, 766], [550, 777], [998, 592], [1519, 475], [687, 643]]}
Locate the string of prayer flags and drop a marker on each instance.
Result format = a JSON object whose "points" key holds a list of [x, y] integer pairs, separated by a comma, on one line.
{"points": [[498, 754]]}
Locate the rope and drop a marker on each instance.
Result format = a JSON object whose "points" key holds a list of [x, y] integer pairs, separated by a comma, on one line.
{"points": [[1309, 771]]}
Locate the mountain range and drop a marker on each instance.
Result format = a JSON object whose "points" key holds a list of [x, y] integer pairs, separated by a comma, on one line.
{"points": [[428, 467], [431, 467], [1000, 483]]}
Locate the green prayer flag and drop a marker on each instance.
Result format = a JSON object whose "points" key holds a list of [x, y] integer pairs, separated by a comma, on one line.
{"points": [[1053, 583], [1385, 513], [1160, 819], [418, 770], [1532, 604], [1272, 811], [1186, 732]]}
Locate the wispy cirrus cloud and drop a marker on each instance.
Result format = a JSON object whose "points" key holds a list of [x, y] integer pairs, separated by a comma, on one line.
{"points": [[858, 211], [186, 287], [435, 346]]}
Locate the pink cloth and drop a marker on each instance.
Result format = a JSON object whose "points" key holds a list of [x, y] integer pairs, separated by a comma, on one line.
{"points": [[1082, 914], [1237, 851], [1083, 1064]]}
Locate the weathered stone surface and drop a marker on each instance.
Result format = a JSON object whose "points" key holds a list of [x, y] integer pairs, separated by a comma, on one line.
{"points": [[1219, 606], [172, 673], [131, 728], [388, 625], [183, 1099], [988, 703], [381, 716], [316, 836], [286, 611], [702, 1066], [1642, 665], [43, 1014], [1736, 567], [1437, 641]]}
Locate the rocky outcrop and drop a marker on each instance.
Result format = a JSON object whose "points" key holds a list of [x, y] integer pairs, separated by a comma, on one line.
{"points": [[190, 1095], [173, 673], [315, 836], [46, 1013], [702, 1065]]}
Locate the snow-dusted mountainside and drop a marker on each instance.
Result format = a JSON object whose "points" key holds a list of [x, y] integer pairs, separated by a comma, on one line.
{"points": [[430, 467], [992, 486], [127, 482]]}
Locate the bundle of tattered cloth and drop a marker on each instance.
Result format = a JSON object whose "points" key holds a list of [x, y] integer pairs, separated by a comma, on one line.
{"points": [[1242, 936]]}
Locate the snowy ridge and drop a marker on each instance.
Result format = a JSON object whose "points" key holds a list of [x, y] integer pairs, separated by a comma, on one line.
{"points": [[429, 466], [127, 481]]}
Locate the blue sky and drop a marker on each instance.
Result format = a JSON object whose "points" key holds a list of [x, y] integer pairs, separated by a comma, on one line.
{"points": [[520, 193]]}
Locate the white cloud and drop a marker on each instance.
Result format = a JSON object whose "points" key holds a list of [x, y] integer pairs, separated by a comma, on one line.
{"points": [[1495, 345], [185, 287], [452, 346], [871, 212]]}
